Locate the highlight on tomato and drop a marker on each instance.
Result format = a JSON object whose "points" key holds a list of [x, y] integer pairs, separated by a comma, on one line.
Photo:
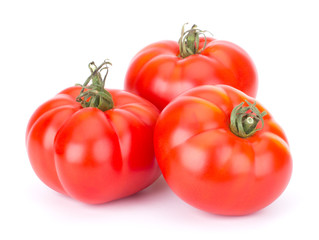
{"points": [[165, 69], [93, 144], [220, 151]]}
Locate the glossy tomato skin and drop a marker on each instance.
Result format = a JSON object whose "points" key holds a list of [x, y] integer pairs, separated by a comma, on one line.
{"points": [[211, 168], [158, 74], [91, 155]]}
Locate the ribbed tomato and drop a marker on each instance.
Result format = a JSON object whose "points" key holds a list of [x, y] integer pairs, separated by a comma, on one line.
{"points": [[163, 70], [219, 152], [94, 145]]}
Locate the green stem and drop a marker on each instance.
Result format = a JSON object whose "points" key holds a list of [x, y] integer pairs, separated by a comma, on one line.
{"points": [[189, 41], [244, 120], [95, 94]]}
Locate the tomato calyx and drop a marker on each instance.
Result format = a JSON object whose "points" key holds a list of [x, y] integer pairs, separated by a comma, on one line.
{"points": [[244, 120], [189, 41], [95, 94]]}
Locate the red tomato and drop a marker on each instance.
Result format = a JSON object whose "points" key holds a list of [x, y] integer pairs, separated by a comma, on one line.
{"points": [[163, 70], [92, 155], [207, 165]]}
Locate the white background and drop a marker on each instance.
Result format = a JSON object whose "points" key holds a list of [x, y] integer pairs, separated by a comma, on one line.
{"points": [[46, 46]]}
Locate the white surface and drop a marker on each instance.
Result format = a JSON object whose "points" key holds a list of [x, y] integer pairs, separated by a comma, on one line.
{"points": [[46, 46]]}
